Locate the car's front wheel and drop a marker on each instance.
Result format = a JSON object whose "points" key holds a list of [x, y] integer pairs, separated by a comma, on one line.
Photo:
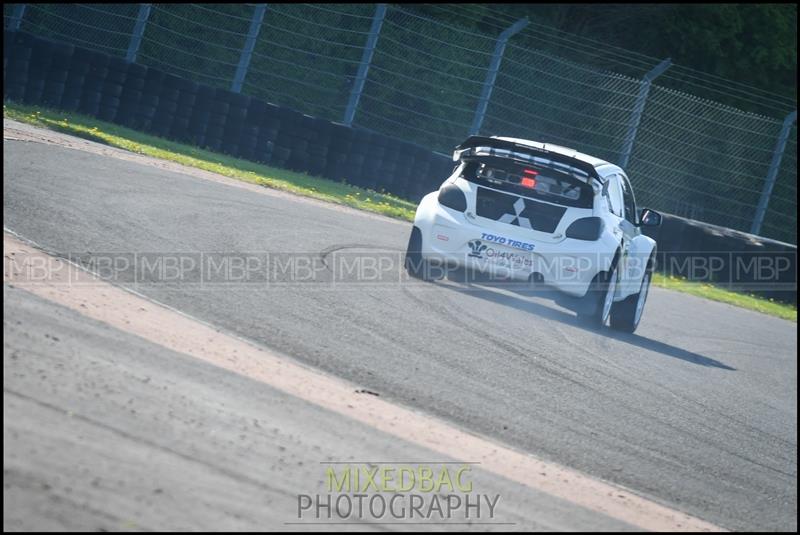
{"points": [[626, 315]]}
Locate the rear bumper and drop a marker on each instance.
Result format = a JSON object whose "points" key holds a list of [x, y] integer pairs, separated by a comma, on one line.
{"points": [[505, 252]]}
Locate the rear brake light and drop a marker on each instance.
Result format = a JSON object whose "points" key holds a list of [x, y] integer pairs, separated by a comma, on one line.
{"points": [[529, 178]]}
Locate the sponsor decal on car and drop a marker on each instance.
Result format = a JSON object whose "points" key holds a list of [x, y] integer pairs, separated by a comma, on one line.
{"points": [[481, 250], [502, 240], [477, 248], [508, 258]]}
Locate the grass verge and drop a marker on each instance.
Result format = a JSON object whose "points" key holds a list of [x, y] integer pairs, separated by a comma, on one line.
{"points": [[716, 293], [263, 175], [308, 186]]}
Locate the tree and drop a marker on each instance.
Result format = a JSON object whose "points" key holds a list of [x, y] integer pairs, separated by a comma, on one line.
{"points": [[755, 44]]}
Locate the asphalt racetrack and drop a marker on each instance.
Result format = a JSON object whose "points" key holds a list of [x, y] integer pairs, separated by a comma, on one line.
{"points": [[697, 410]]}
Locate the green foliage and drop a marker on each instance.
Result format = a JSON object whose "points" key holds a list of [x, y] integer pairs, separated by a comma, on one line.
{"points": [[751, 43], [754, 44]]}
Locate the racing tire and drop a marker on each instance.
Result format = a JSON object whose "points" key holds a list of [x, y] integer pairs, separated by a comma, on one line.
{"points": [[74, 83], [415, 265], [107, 114], [109, 102], [599, 298], [70, 103], [33, 92], [149, 101], [167, 107], [281, 155], [115, 77], [626, 314], [15, 92], [111, 90], [57, 76]]}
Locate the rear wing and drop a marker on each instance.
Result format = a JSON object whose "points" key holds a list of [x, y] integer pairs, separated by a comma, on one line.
{"points": [[482, 146]]}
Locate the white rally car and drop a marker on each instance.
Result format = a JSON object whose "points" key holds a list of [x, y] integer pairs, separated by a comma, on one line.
{"points": [[521, 210]]}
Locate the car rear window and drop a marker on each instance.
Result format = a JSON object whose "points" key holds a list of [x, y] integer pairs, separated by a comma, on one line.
{"points": [[529, 180]]}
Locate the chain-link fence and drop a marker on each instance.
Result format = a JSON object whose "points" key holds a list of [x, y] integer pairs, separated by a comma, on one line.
{"points": [[691, 156]]}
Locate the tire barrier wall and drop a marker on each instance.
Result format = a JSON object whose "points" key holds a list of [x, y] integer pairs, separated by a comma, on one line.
{"points": [[38, 71], [728, 258]]}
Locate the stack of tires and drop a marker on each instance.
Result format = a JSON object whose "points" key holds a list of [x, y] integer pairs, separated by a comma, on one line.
{"points": [[215, 127], [74, 85], [286, 142], [186, 103], [417, 187], [198, 122], [111, 90], [234, 120], [96, 73], [167, 105], [55, 81], [248, 138], [319, 150], [357, 157], [440, 168], [17, 52], [405, 165], [340, 144], [300, 136], [131, 95], [376, 150], [39, 66], [263, 123], [145, 115], [386, 181]]}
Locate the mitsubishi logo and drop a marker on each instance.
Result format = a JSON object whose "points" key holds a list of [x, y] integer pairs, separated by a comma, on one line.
{"points": [[515, 218], [477, 248], [518, 210]]}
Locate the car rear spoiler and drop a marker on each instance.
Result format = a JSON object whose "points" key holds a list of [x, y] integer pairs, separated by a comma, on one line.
{"points": [[502, 148]]}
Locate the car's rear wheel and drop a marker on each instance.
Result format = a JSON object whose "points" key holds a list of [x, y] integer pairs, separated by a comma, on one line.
{"points": [[626, 315], [599, 298], [415, 265]]}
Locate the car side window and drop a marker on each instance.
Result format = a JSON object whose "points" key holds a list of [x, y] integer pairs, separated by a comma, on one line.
{"points": [[630, 201], [615, 202]]}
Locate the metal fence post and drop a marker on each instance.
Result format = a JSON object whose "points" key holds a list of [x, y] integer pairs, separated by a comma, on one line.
{"points": [[363, 68], [138, 32], [638, 108], [491, 74], [16, 17], [247, 49], [772, 173]]}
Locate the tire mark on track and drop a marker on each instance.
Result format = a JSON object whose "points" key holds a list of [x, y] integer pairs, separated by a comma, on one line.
{"points": [[139, 440], [519, 351]]}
